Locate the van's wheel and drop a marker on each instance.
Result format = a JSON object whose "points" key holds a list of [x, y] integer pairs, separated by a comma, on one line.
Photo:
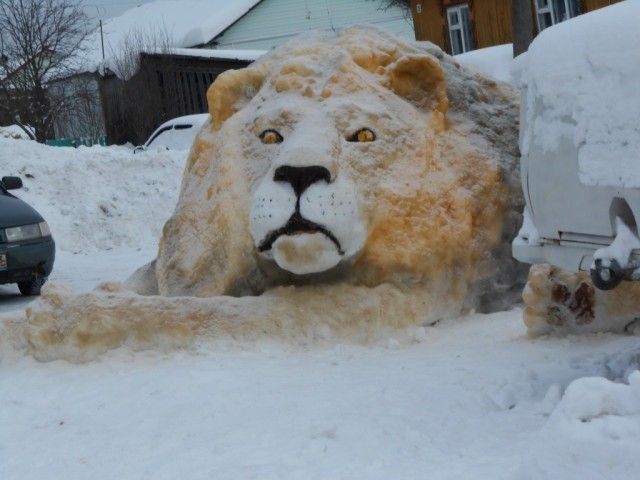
{"points": [[32, 287], [606, 278]]}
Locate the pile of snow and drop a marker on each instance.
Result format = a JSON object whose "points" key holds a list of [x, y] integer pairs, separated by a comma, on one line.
{"points": [[620, 249], [96, 198], [598, 106], [494, 61], [593, 433], [14, 131], [470, 399]]}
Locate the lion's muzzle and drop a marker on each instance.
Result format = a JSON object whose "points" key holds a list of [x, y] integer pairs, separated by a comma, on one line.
{"points": [[301, 218], [300, 178]]}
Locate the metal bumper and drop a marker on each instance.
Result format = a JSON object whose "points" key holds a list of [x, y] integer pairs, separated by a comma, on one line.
{"points": [[574, 256], [26, 261]]}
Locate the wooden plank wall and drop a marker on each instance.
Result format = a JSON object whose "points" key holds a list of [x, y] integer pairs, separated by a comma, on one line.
{"points": [[590, 5], [491, 20], [428, 21], [185, 80]]}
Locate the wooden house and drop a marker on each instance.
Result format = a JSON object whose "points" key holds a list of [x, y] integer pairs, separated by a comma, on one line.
{"points": [[458, 26]]}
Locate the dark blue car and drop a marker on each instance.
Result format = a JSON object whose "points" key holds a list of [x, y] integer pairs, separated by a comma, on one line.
{"points": [[27, 249]]}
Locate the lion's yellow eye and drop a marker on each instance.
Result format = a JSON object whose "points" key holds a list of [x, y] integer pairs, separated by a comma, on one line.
{"points": [[270, 137], [363, 135]]}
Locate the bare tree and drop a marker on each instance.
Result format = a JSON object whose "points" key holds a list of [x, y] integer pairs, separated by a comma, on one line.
{"points": [[141, 95], [125, 57], [403, 5], [83, 120], [39, 42]]}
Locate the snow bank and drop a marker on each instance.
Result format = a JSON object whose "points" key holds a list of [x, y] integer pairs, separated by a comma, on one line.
{"points": [[598, 107], [493, 61], [96, 198], [13, 131], [593, 433]]}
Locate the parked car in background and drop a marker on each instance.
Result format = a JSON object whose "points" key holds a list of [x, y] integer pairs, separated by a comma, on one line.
{"points": [[175, 134], [27, 249]]}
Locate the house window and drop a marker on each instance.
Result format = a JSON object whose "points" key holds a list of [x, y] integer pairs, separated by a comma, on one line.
{"points": [[460, 29], [550, 12]]}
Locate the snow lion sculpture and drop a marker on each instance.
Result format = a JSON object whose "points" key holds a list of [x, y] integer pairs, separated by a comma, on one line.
{"points": [[346, 184]]}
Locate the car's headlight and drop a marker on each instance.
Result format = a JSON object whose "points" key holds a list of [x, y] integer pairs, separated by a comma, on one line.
{"points": [[27, 232]]}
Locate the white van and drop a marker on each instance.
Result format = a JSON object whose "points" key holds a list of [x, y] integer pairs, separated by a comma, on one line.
{"points": [[580, 145]]}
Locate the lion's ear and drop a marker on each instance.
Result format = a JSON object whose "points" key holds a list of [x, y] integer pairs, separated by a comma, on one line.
{"points": [[231, 91], [421, 80]]}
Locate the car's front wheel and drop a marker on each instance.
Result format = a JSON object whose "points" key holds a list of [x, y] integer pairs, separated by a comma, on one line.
{"points": [[32, 287]]}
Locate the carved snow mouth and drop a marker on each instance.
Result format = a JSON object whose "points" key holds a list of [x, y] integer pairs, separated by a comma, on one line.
{"points": [[294, 226]]}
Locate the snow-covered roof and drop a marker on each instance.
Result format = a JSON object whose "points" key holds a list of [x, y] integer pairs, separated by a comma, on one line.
{"points": [[194, 23], [247, 55], [187, 23]]}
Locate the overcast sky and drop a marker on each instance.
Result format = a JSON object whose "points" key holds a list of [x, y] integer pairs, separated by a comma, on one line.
{"points": [[104, 9]]}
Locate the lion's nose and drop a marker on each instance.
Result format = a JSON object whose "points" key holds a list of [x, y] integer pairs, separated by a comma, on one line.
{"points": [[301, 178]]}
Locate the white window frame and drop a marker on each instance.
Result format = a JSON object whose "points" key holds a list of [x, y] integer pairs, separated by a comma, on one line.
{"points": [[549, 9], [461, 28]]}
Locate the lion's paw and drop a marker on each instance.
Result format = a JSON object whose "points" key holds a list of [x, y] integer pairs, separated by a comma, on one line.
{"points": [[558, 300]]}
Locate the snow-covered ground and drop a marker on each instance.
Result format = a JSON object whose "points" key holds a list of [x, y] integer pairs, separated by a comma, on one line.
{"points": [[469, 398]]}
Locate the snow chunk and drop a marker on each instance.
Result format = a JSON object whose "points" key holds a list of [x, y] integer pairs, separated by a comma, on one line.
{"points": [[593, 433], [620, 250], [96, 198], [528, 234], [493, 61]]}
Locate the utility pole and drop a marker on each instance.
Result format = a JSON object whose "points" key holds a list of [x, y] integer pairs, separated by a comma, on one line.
{"points": [[521, 26], [101, 39]]}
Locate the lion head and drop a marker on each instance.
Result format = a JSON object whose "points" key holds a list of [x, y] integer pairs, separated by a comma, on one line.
{"points": [[352, 157]]}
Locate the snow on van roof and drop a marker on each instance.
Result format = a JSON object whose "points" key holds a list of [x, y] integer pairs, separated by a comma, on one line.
{"points": [[582, 84]]}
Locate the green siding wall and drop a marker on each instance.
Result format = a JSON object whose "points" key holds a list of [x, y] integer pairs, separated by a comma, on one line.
{"points": [[272, 22]]}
